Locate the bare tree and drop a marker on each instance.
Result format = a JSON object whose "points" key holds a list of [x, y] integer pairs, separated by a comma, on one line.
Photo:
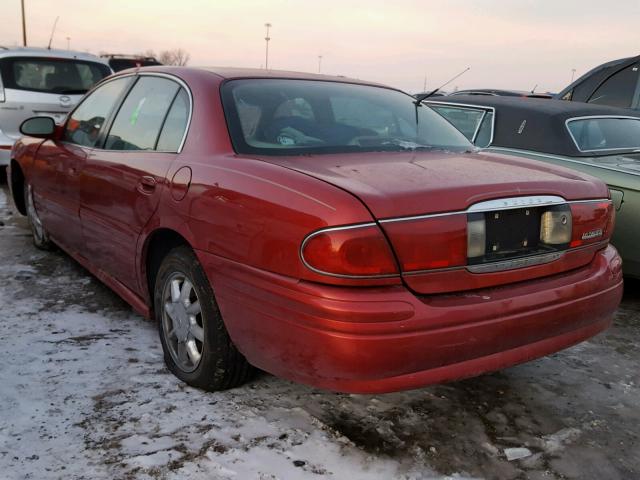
{"points": [[174, 57]]}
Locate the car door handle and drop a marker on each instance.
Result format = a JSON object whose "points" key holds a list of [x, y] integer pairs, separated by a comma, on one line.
{"points": [[147, 184]]}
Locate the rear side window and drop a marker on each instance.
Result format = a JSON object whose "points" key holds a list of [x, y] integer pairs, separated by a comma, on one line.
{"points": [[618, 90], [600, 134], [464, 119], [51, 75], [86, 122], [175, 124], [137, 125]]}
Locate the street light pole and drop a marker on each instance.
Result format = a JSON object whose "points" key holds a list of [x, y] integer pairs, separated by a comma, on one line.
{"points": [[319, 63], [266, 53], [24, 26], [68, 43]]}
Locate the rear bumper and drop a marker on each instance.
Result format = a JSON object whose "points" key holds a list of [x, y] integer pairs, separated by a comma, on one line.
{"points": [[386, 339]]}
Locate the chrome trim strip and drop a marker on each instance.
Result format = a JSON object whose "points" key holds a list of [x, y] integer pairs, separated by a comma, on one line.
{"points": [[420, 217], [597, 117], [516, 263], [511, 203], [556, 157], [508, 203], [337, 275]]}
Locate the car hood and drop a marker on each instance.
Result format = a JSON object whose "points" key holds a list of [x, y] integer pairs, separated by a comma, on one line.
{"points": [[415, 183]]}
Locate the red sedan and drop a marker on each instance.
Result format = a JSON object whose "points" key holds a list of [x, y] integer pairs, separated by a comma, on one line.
{"points": [[326, 230]]}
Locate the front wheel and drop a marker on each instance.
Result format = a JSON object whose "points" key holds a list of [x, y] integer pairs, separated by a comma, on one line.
{"points": [[40, 236], [197, 347]]}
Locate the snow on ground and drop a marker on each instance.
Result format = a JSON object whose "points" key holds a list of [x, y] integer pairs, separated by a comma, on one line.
{"points": [[84, 393]]}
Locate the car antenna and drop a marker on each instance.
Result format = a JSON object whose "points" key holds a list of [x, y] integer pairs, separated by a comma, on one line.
{"points": [[533, 90], [421, 97], [53, 30]]}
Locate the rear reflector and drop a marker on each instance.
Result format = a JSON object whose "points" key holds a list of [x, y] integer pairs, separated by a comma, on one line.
{"points": [[354, 251]]}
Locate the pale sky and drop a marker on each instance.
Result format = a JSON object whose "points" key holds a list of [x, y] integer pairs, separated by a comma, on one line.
{"points": [[507, 43]]}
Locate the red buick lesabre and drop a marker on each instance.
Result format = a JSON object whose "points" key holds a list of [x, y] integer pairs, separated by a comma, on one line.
{"points": [[327, 230]]}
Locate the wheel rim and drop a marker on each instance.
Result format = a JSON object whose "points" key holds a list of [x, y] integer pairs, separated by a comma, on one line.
{"points": [[182, 323], [34, 219]]}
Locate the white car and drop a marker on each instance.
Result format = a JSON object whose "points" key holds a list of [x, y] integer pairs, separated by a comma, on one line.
{"points": [[41, 82]]}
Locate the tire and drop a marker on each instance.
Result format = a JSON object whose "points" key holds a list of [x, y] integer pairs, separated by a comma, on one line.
{"points": [[40, 235], [190, 324]]}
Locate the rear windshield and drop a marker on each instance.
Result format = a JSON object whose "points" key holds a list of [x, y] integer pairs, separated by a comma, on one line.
{"points": [[118, 64], [279, 117], [601, 134], [51, 75]]}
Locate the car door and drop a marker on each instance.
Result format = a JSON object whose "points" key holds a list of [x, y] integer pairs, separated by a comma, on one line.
{"points": [[122, 181], [58, 165]]}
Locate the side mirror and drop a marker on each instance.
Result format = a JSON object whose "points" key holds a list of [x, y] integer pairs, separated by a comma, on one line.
{"points": [[40, 127]]}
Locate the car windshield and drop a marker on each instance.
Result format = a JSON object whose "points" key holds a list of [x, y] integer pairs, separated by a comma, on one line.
{"points": [[609, 133], [51, 75], [280, 116]]}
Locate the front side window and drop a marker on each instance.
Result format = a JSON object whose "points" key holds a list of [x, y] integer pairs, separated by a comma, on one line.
{"points": [[49, 75], [618, 91], [602, 134], [280, 116], [138, 122], [86, 122]]}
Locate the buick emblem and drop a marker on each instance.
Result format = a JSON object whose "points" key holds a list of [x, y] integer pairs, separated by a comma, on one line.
{"points": [[65, 101]]}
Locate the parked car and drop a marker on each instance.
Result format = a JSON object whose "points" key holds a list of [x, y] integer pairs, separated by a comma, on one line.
{"points": [[37, 81], [501, 93], [597, 140], [119, 62], [615, 83], [326, 230]]}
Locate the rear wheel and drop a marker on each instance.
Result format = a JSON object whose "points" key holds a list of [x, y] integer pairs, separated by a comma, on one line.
{"points": [[40, 236], [196, 344]]}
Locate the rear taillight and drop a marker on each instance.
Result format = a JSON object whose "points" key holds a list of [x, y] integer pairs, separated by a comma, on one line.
{"points": [[592, 222], [359, 251], [430, 242]]}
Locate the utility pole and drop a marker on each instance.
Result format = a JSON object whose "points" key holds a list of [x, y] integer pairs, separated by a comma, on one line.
{"points": [[319, 63], [573, 74], [24, 26], [68, 43], [266, 53]]}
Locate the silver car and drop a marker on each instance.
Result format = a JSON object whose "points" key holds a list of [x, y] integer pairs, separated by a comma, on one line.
{"points": [[37, 81]]}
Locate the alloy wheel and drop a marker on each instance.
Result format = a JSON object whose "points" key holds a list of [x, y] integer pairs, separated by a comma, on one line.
{"points": [[182, 322]]}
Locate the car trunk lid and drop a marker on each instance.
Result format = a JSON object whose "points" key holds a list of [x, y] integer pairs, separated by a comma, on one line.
{"points": [[425, 202]]}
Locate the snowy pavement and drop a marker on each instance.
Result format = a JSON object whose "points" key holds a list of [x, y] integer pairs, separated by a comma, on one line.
{"points": [[84, 394]]}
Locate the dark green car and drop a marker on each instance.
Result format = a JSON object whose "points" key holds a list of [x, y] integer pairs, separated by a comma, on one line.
{"points": [[598, 140]]}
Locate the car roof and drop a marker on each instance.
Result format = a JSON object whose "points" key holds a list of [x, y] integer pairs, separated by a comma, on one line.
{"points": [[599, 74], [536, 124], [237, 73], [6, 52]]}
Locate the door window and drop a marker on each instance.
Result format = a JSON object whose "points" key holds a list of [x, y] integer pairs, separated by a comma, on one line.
{"points": [[138, 122], [86, 121], [619, 89], [175, 124]]}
